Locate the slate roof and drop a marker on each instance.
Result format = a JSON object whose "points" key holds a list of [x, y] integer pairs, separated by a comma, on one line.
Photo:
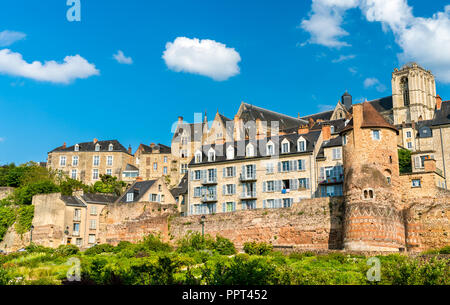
{"points": [[220, 149], [335, 142], [139, 188], [194, 131], [371, 118], [131, 168], [99, 198], [72, 201], [159, 148], [181, 188], [90, 146], [251, 113], [442, 117]]}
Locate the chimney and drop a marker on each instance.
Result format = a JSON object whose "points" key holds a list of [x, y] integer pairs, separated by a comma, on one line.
{"points": [[304, 129], [430, 165], [438, 102], [180, 120], [326, 131], [95, 140], [129, 149], [357, 115], [64, 145]]}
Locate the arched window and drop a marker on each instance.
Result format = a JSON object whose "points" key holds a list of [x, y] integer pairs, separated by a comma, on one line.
{"points": [[366, 194], [77, 147], [270, 147], [285, 146], [198, 157], [301, 144], [250, 151], [211, 155], [110, 147], [97, 147], [370, 194], [405, 91], [230, 152]]}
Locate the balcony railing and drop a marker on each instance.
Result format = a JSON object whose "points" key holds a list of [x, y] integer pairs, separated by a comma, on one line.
{"points": [[331, 180], [209, 198], [246, 178], [248, 195], [209, 180]]}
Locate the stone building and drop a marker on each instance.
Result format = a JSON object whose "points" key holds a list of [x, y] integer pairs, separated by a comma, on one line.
{"points": [[87, 161], [61, 220], [155, 191]]}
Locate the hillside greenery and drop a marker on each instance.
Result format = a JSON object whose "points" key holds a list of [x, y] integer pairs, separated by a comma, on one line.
{"points": [[31, 179], [198, 260]]}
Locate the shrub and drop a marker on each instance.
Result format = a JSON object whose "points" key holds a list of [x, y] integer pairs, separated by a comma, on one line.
{"points": [[154, 243], [67, 250], [33, 248], [255, 248], [24, 219], [301, 255], [24, 195], [224, 246], [98, 249], [194, 241], [7, 218]]}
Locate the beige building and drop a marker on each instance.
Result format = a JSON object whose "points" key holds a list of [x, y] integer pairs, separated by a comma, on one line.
{"points": [[61, 220], [154, 190], [87, 161]]}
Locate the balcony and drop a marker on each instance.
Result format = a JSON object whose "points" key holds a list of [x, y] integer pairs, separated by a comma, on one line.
{"points": [[248, 195], [209, 198], [247, 178], [75, 233], [331, 180], [209, 181]]}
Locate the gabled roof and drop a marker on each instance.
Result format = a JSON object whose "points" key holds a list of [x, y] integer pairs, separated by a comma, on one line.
{"points": [[248, 112], [72, 201], [139, 188], [90, 146]]}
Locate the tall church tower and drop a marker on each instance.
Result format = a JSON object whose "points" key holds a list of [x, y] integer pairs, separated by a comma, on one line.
{"points": [[413, 94]]}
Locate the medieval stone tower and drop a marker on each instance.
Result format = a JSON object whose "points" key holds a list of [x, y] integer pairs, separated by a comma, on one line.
{"points": [[373, 217], [413, 94]]}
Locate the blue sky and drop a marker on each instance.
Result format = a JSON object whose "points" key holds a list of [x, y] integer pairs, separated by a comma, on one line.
{"points": [[273, 54]]}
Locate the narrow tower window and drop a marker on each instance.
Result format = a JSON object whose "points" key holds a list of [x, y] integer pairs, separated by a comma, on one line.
{"points": [[405, 91]]}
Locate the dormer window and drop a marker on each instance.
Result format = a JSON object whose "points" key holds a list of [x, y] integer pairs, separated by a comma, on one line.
{"points": [[130, 197], [110, 147], [97, 147], [211, 155], [301, 144], [250, 151], [332, 128], [230, 152], [77, 147], [198, 157], [285, 146], [270, 148]]}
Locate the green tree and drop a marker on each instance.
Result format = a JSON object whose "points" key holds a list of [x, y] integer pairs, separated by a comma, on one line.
{"points": [[24, 195], [68, 186], [404, 159], [109, 184]]}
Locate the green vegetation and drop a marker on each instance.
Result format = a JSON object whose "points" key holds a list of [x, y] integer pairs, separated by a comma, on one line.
{"points": [[29, 180], [404, 160], [254, 248], [204, 260]]}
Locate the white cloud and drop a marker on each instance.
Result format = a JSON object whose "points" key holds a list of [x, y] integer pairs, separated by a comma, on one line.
{"points": [[374, 82], [122, 59], [7, 38], [72, 68], [353, 70], [323, 108], [424, 40], [343, 58], [205, 57]]}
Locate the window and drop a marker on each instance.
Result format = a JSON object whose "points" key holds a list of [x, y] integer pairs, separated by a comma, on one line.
{"points": [[96, 160], [368, 194], [130, 197], [62, 161], [79, 242], [303, 183], [229, 189], [184, 168], [109, 172], [230, 152], [74, 174], [95, 174], [230, 172], [405, 91], [77, 147], [155, 166], [344, 140], [159, 188], [197, 175], [332, 127], [270, 168], [249, 151], [109, 161], [76, 229], [416, 183], [198, 192], [75, 161], [337, 153], [91, 239], [97, 147], [270, 186], [408, 134], [184, 141], [165, 170], [270, 149], [183, 153], [285, 147], [285, 166], [230, 207], [93, 210], [211, 155], [198, 157], [376, 134], [409, 145], [388, 180], [153, 197], [301, 144], [301, 165], [77, 215], [250, 171], [92, 224], [212, 175], [110, 147], [165, 159]]}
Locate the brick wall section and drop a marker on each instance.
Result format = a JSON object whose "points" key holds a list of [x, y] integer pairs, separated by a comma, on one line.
{"points": [[311, 224]]}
